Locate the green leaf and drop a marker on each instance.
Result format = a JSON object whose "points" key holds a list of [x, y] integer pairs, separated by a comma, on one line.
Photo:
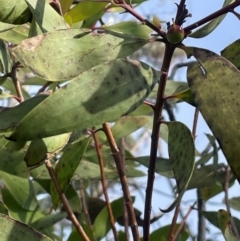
{"points": [[182, 95], [75, 234], [21, 189], [14, 11], [84, 10], [235, 203], [131, 28], [210, 26], [5, 60], [231, 53], [6, 26], [15, 35], [4, 95], [120, 87], [48, 220], [76, 52], [127, 125], [15, 230], [101, 225], [66, 168], [12, 163], [90, 22], [47, 18], [162, 233], [181, 151], [217, 100], [10, 116], [65, 5], [44, 149]]}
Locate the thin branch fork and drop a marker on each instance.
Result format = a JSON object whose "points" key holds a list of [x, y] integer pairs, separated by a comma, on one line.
{"points": [[65, 202], [122, 176], [104, 185]]}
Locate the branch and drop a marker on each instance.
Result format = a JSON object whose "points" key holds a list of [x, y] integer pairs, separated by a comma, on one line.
{"points": [[14, 76], [104, 185], [122, 175], [212, 16], [155, 138], [201, 219], [65, 202]]}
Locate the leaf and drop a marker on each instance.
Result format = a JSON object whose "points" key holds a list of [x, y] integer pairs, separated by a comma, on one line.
{"points": [[4, 95], [10, 116], [44, 149], [15, 35], [76, 52], [131, 28], [48, 220], [5, 60], [185, 95], [181, 151], [119, 88], [217, 99], [14, 11], [6, 26], [235, 203], [65, 5], [231, 53], [46, 17], [12, 163], [75, 234], [101, 225], [15, 230], [210, 26], [84, 10], [127, 125], [162, 233], [21, 189], [66, 168]]}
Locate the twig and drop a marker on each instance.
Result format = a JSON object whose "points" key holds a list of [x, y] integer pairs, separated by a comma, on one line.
{"points": [[104, 185], [65, 202], [84, 205], [169, 50], [174, 221], [130, 10], [183, 223], [42, 89], [195, 120], [125, 213], [16, 82], [212, 16], [226, 186], [123, 179]]}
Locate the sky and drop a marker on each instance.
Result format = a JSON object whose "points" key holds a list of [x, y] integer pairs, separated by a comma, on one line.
{"points": [[216, 41]]}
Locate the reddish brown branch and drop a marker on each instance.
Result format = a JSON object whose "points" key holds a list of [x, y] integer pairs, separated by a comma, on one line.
{"points": [[155, 138], [122, 175], [104, 185], [65, 202], [212, 16]]}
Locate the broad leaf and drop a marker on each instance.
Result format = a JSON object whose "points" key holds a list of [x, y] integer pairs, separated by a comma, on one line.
{"points": [[84, 10], [130, 28], [231, 52], [76, 52], [15, 230], [46, 17], [209, 27], [218, 100], [66, 168], [103, 93], [44, 149], [14, 11], [10, 116], [235, 203], [21, 189], [181, 151]]}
